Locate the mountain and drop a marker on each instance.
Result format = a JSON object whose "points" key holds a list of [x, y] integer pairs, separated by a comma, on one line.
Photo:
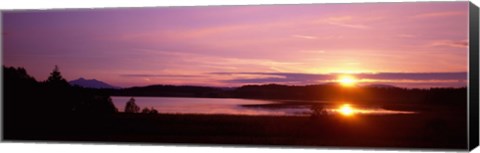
{"points": [[91, 83]]}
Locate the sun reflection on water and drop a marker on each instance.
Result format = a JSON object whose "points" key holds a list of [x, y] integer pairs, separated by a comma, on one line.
{"points": [[349, 110], [346, 110]]}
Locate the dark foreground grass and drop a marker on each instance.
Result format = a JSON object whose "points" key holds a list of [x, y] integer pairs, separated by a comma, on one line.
{"points": [[421, 130]]}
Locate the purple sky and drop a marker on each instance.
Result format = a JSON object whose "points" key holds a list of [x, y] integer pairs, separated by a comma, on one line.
{"points": [[422, 44]]}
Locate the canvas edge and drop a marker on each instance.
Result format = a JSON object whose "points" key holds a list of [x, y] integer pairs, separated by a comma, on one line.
{"points": [[473, 99], [2, 111]]}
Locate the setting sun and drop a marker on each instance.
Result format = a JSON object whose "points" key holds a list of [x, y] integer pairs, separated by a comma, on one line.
{"points": [[347, 80], [346, 110]]}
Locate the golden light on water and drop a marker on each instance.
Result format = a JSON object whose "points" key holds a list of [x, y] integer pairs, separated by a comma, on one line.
{"points": [[346, 110], [347, 80]]}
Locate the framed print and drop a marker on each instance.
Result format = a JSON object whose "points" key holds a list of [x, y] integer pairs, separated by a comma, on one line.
{"points": [[397, 75]]}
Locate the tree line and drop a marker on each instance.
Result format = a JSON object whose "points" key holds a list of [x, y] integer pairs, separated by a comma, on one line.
{"points": [[321, 92], [25, 95]]}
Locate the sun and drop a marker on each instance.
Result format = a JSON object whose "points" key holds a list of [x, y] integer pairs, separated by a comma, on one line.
{"points": [[346, 110], [347, 80]]}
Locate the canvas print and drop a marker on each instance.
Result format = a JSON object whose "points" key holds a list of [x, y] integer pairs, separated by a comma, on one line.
{"points": [[362, 75]]}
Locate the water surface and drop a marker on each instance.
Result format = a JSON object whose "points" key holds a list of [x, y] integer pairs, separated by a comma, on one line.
{"points": [[228, 106], [233, 106]]}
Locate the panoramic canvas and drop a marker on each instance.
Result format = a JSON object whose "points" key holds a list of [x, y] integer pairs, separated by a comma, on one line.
{"points": [[390, 75]]}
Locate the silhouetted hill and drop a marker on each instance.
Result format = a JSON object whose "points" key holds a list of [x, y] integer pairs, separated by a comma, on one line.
{"points": [[173, 91], [91, 83], [380, 86], [374, 94]]}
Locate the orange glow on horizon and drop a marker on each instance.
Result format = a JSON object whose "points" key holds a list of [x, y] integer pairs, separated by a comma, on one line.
{"points": [[347, 80]]}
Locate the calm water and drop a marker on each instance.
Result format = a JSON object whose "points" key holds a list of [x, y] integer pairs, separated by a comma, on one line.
{"points": [[205, 106], [230, 106]]}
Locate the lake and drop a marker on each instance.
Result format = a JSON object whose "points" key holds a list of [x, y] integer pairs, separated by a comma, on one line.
{"points": [[233, 106]]}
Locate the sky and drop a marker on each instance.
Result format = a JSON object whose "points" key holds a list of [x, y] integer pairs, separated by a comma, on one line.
{"points": [[413, 45]]}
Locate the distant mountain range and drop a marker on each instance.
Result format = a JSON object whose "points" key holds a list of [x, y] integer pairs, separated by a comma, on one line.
{"points": [[91, 83]]}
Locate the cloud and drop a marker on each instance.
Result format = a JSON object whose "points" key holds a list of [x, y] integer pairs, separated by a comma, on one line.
{"points": [[313, 51], [340, 18], [348, 25], [450, 43], [277, 77], [159, 75], [304, 37], [406, 36], [344, 21], [439, 14], [189, 62], [416, 76]]}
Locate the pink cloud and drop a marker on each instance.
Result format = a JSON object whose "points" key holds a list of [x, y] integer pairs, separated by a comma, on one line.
{"points": [[304, 36], [406, 36], [450, 43], [440, 14], [344, 21]]}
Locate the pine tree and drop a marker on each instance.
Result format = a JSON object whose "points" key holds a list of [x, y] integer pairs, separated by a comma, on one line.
{"points": [[56, 80], [56, 76]]}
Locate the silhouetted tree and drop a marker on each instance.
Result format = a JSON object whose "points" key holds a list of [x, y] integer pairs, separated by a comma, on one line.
{"points": [[59, 94], [94, 104], [108, 106], [149, 111], [20, 94], [153, 111], [20, 73], [56, 76], [131, 107], [145, 110]]}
